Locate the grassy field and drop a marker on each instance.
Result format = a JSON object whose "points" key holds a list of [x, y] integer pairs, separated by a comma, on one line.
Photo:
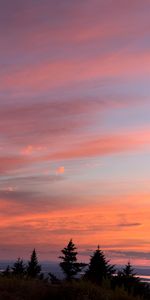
{"points": [[17, 289]]}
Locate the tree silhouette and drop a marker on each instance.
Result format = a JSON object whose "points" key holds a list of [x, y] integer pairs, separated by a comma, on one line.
{"points": [[128, 271], [128, 278], [7, 271], [69, 263], [131, 282], [99, 268], [18, 268], [53, 278], [33, 267]]}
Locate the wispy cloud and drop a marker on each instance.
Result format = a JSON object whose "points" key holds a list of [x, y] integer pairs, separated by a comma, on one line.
{"points": [[74, 88], [106, 144], [129, 224]]}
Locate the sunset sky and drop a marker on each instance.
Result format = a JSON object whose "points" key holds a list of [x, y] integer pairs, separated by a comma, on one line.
{"points": [[75, 128]]}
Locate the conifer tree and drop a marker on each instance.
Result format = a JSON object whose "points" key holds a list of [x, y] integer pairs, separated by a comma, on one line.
{"points": [[99, 268], [128, 271], [129, 278], [33, 267], [69, 263], [130, 281], [18, 268]]}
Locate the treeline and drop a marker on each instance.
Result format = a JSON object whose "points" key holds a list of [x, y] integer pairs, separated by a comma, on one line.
{"points": [[21, 270], [98, 271]]}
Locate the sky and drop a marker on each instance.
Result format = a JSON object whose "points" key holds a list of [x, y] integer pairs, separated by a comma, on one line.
{"points": [[75, 128]]}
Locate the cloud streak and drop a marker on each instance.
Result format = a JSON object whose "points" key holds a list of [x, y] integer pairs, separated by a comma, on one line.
{"points": [[106, 145], [74, 88]]}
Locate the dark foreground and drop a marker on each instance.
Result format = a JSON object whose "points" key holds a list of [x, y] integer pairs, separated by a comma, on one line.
{"points": [[14, 289]]}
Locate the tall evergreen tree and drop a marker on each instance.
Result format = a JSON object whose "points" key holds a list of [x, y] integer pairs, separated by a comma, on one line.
{"points": [[69, 263], [33, 267], [18, 268], [99, 268]]}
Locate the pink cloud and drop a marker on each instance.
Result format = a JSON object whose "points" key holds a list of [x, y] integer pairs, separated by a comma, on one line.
{"points": [[89, 146], [48, 74], [50, 54], [11, 162], [105, 145], [30, 149]]}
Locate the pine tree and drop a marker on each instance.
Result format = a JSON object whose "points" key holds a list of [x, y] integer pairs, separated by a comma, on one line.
{"points": [[128, 271], [18, 268], [33, 268], [129, 280], [69, 263], [99, 268]]}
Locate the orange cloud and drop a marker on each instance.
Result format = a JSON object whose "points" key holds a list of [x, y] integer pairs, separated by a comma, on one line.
{"points": [[28, 150], [95, 223], [60, 170]]}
